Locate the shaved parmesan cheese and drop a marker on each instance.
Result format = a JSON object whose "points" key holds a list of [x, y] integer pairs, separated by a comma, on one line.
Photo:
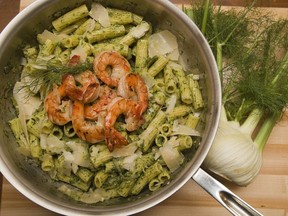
{"points": [[183, 62], [170, 154], [80, 153], [140, 30], [171, 103], [79, 51], [47, 35], [43, 141], [149, 80], [90, 197], [175, 66], [100, 14], [129, 162], [178, 129], [172, 142], [27, 104], [38, 66], [174, 55], [24, 139], [99, 195], [94, 151], [66, 166], [125, 151], [25, 150], [162, 43], [54, 144], [44, 59], [91, 26]]}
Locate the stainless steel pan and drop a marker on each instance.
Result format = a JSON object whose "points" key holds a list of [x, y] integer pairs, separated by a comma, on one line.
{"points": [[195, 51]]}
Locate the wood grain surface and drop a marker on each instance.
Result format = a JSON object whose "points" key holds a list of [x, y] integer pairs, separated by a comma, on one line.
{"points": [[268, 193]]}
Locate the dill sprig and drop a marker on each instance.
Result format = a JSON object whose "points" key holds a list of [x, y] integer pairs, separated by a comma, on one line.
{"points": [[49, 75]]}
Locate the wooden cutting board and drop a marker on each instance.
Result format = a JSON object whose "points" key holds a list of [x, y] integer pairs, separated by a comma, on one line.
{"points": [[268, 193]]}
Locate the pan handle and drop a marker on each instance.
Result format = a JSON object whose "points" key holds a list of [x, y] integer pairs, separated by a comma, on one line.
{"points": [[223, 195]]}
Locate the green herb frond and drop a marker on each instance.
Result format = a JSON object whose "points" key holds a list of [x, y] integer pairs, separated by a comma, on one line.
{"points": [[52, 74], [263, 70], [251, 50]]}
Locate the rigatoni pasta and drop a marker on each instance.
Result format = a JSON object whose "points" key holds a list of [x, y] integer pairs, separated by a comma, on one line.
{"points": [[70, 17], [90, 171]]}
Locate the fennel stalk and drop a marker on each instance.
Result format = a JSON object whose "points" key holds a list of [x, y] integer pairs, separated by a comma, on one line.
{"points": [[254, 84]]}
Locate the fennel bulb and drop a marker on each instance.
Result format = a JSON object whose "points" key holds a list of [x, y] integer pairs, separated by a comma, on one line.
{"points": [[234, 155]]}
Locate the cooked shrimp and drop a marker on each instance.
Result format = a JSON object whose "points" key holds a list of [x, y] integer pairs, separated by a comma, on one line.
{"points": [[90, 131], [74, 60], [88, 90], [133, 119], [58, 109], [132, 86], [110, 66], [106, 95]]}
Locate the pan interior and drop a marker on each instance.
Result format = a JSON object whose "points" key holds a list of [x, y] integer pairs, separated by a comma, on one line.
{"points": [[23, 29]]}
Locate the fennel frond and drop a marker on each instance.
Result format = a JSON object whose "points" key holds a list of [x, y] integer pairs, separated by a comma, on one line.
{"points": [[251, 52]]}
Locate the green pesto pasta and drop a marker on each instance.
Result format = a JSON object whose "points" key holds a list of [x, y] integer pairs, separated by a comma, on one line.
{"points": [[195, 92], [70, 17], [100, 178], [159, 97], [165, 129], [141, 56], [121, 48], [99, 156], [192, 120], [150, 114], [88, 25], [151, 131], [154, 184], [58, 132], [150, 173], [137, 19], [125, 187], [135, 33], [30, 53], [47, 163], [170, 80], [185, 142], [159, 85], [141, 163], [160, 140], [74, 180], [71, 41], [120, 17], [32, 126], [105, 33], [90, 172], [179, 111], [71, 28], [47, 48], [84, 174], [186, 95], [158, 66], [68, 130], [65, 56], [164, 176], [36, 150], [19, 134], [46, 126]]}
